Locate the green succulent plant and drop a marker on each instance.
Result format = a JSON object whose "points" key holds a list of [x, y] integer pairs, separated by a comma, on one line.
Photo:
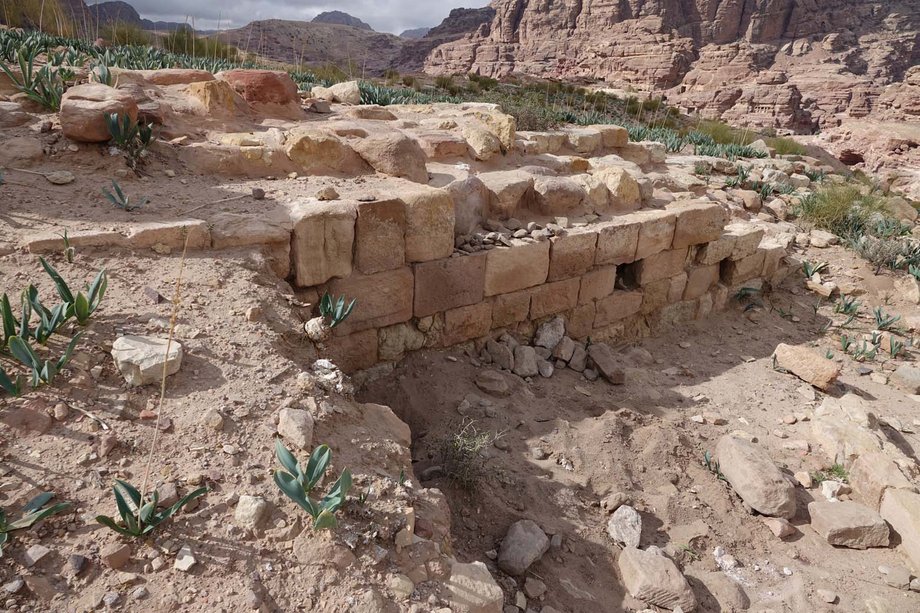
{"points": [[139, 519], [80, 305], [33, 512], [297, 483]]}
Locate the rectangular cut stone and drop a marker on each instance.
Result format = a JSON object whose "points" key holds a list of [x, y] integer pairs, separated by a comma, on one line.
{"points": [[518, 267], [617, 306], [571, 255], [716, 251], [171, 234], [659, 294], [612, 137], [382, 299], [353, 352], [901, 509], [617, 240], [272, 232], [738, 271], [380, 236], [700, 279], [323, 241], [677, 313], [449, 283], [552, 298], [773, 254], [429, 222], [747, 239], [698, 221], [580, 322], [656, 232], [52, 242], [663, 265], [848, 524], [597, 284], [875, 472], [509, 309], [467, 322]]}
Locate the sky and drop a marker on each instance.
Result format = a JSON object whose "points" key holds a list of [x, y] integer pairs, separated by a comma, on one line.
{"points": [[383, 15]]}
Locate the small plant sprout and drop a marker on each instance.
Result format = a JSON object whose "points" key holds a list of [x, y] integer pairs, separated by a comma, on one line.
{"points": [[139, 518], [297, 484], [712, 466], [10, 385], [836, 472], [895, 347], [129, 136], [845, 343], [79, 305], [120, 201], [913, 270], [847, 305], [829, 354], [43, 371], [811, 270], [33, 512], [69, 251], [332, 312], [884, 321]]}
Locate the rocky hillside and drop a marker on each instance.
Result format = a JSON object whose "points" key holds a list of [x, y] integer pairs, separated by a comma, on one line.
{"points": [[414, 33], [784, 64], [122, 12], [453, 30], [341, 19], [317, 43]]}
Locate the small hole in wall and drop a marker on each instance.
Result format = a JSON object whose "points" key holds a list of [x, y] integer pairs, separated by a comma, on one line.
{"points": [[627, 275]]}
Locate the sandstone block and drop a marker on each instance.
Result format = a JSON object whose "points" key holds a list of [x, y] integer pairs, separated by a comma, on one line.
{"points": [[509, 309], [747, 239], [597, 284], [552, 298], [557, 195], [848, 524], [322, 153], [467, 322], [612, 137], [429, 223], [581, 320], [624, 193], [471, 588], [874, 473], [754, 476], [662, 265], [656, 232], [717, 250], [380, 236], [170, 234], [353, 352], [382, 299], [84, 109], [617, 306], [141, 359], [519, 267], [901, 509], [395, 154], [734, 271], [700, 280], [697, 222], [655, 579], [449, 283], [584, 140], [323, 241], [571, 255], [618, 240], [509, 190], [807, 365], [393, 342]]}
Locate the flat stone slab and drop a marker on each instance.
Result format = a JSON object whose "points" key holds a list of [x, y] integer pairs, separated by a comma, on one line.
{"points": [[848, 524]]}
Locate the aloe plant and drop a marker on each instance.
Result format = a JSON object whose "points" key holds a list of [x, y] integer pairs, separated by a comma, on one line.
{"points": [[12, 386], [139, 515], [81, 305], [33, 512], [297, 484], [120, 200], [49, 320], [131, 137], [43, 371], [332, 312]]}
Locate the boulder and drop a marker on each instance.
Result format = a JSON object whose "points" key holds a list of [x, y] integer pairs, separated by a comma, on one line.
{"points": [[754, 476], [550, 333], [607, 363], [84, 109], [625, 526], [524, 544], [471, 588], [848, 524], [346, 93], [394, 154], [525, 361], [262, 86], [807, 365], [655, 579], [296, 427], [141, 359], [901, 509]]}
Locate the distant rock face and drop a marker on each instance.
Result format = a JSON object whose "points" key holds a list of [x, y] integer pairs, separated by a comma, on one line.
{"points": [[458, 24], [341, 19], [780, 64], [414, 33]]}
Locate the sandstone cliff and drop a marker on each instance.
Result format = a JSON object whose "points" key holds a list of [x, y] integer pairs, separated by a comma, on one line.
{"points": [[791, 64]]}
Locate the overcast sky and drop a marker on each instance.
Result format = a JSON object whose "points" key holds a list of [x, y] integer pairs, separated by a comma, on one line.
{"points": [[383, 15]]}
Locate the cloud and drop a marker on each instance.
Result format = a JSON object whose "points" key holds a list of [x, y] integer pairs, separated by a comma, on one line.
{"points": [[383, 15]]}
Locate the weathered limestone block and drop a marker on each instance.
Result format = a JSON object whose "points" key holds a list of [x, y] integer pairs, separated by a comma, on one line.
{"points": [[230, 230], [509, 190], [872, 474], [216, 99], [584, 140], [467, 322], [380, 235], [552, 298], [754, 476], [747, 239], [519, 267], [353, 352], [429, 222], [655, 579], [699, 221], [557, 195], [807, 365], [738, 271], [716, 251], [700, 280], [322, 153], [509, 309], [617, 306], [323, 240], [395, 154], [848, 524], [449, 283], [624, 193], [901, 509], [662, 265], [170, 234], [656, 231], [571, 255], [393, 342], [612, 137], [597, 284], [617, 240], [384, 298]]}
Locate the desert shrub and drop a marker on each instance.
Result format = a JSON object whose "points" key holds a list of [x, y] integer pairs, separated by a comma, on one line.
{"points": [[786, 146], [461, 453], [484, 83], [391, 76], [722, 133], [843, 209], [122, 33]]}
